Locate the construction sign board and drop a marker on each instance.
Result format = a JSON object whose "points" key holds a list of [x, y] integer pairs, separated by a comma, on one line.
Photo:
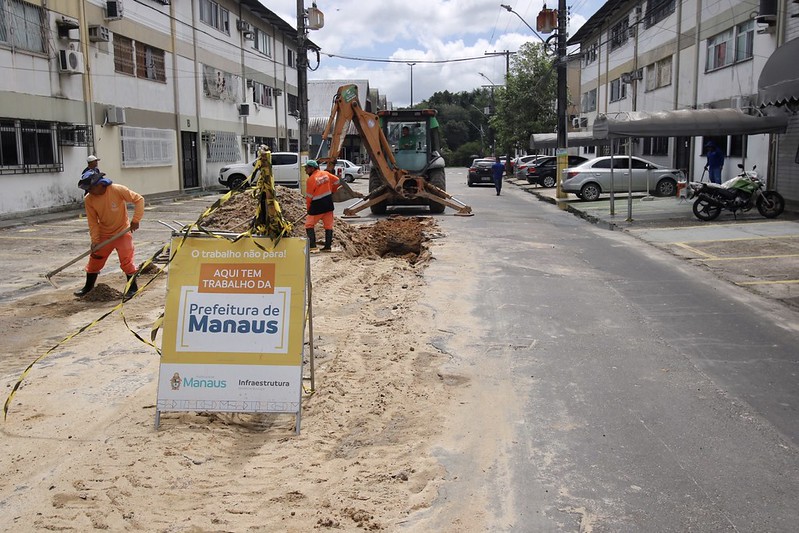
{"points": [[233, 326]]}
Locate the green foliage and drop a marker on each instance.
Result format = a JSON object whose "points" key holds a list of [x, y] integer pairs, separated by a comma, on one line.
{"points": [[463, 156]]}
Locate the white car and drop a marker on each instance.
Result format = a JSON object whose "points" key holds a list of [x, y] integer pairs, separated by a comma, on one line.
{"points": [[592, 178], [349, 170], [285, 169]]}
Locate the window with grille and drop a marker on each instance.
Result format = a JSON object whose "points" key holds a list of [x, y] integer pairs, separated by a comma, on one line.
{"points": [[262, 42], [589, 101], [215, 15], [656, 146], [262, 94], [619, 33], [224, 149], [590, 54], [150, 62], [28, 146], [658, 74], [123, 55], [293, 103], [657, 10], [618, 90], [28, 24], [147, 147]]}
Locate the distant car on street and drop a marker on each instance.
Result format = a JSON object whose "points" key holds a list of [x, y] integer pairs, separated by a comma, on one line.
{"points": [[592, 178], [520, 165], [543, 170], [285, 169], [349, 170], [480, 171]]}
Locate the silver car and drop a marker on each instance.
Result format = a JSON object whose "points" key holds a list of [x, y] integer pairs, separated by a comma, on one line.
{"points": [[349, 170], [592, 178]]}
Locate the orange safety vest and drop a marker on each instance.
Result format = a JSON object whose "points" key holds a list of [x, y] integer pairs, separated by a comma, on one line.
{"points": [[319, 191]]}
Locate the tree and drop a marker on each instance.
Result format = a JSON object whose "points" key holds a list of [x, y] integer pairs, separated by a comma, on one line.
{"points": [[526, 104]]}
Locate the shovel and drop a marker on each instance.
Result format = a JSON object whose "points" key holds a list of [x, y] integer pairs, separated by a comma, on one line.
{"points": [[52, 273]]}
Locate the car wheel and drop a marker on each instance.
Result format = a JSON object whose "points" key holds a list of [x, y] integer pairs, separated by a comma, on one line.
{"points": [[666, 187], [590, 192], [548, 181], [234, 182], [470, 183]]}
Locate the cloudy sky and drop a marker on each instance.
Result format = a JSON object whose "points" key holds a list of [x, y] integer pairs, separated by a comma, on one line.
{"points": [[406, 31]]}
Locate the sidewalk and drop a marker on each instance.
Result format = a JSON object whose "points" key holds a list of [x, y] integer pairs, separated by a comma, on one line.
{"points": [[759, 254]]}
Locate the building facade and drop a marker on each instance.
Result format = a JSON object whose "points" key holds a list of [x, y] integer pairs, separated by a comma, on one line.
{"points": [[657, 55], [165, 93]]}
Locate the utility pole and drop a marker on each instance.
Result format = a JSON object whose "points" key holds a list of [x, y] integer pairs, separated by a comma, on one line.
{"points": [[302, 82], [563, 158]]}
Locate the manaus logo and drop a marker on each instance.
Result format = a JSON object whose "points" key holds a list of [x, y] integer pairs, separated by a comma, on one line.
{"points": [[175, 382]]}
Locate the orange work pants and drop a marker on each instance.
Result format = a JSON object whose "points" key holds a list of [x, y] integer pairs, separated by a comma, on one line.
{"points": [[326, 218], [125, 251]]}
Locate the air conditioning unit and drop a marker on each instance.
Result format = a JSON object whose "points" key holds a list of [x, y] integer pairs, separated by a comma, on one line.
{"points": [[277, 92], [115, 114], [706, 105], [626, 78], [739, 102], [99, 34], [113, 9], [244, 110], [576, 122], [242, 25], [248, 139], [70, 62], [248, 35], [209, 137], [637, 74]]}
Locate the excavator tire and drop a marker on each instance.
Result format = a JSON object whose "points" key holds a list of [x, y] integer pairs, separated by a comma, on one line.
{"points": [[438, 179], [375, 182]]}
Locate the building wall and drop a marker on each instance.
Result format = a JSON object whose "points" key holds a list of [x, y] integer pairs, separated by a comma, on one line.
{"points": [[176, 103], [678, 43]]}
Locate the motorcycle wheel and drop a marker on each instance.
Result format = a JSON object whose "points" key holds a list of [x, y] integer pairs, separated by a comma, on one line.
{"points": [[771, 204], [704, 210]]}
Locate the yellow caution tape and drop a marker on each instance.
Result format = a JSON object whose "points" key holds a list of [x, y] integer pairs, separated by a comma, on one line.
{"points": [[268, 222]]}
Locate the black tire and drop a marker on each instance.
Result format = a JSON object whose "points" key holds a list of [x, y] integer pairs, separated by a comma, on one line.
{"points": [[666, 187], [470, 183], [439, 179], [235, 181], [590, 192], [771, 204], [548, 181], [375, 182], [704, 210]]}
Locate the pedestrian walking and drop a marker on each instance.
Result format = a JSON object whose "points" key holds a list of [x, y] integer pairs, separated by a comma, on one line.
{"points": [[91, 165], [319, 203], [715, 162], [497, 171], [107, 214]]}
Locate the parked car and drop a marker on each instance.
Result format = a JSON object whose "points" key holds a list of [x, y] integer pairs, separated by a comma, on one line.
{"points": [[520, 165], [480, 171], [285, 169], [543, 170], [349, 170], [592, 178]]}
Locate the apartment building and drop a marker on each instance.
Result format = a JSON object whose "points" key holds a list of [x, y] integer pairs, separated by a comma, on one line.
{"points": [[165, 93], [658, 55]]}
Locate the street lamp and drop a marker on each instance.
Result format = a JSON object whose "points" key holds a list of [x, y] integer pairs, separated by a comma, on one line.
{"points": [[510, 10], [489, 80], [411, 65]]}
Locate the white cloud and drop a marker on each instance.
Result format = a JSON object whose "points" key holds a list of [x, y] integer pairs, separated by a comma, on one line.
{"points": [[415, 31]]}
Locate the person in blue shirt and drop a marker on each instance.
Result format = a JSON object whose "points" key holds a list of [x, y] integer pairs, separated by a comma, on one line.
{"points": [[497, 170], [715, 162]]}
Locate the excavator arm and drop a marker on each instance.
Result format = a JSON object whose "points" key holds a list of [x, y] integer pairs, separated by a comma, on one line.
{"points": [[396, 181]]}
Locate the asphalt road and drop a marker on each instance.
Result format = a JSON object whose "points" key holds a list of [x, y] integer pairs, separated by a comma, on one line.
{"points": [[611, 386]]}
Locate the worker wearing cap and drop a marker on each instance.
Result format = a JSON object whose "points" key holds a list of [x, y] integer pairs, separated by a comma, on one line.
{"points": [[107, 215], [319, 191]]}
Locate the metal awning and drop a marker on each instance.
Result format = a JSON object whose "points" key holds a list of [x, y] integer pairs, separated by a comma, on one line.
{"points": [[688, 123], [541, 141], [779, 79]]}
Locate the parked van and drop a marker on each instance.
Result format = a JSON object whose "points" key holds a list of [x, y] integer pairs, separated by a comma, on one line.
{"points": [[285, 169]]}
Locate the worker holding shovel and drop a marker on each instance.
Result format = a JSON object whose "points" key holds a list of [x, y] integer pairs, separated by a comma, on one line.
{"points": [[107, 215]]}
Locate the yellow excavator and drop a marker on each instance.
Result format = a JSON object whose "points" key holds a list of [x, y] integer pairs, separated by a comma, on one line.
{"points": [[403, 147]]}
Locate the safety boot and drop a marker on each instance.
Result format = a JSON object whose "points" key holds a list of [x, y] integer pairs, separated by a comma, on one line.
{"points": [[91, 279], [311, 240], [328, 247], [132, 290]]}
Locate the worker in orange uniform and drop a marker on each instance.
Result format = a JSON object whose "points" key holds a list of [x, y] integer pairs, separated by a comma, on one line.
{"points": [[319, 191], [107, 215]]}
